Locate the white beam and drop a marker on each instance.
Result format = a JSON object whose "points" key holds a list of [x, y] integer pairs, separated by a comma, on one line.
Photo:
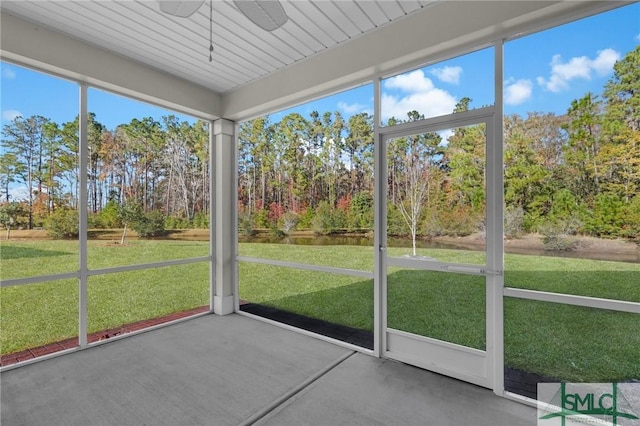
{"points": [[29, 44], [440, 30]]}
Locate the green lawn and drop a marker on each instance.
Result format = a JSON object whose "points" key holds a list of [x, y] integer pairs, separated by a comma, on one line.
{"points": [[567, 342], [45, 257], [36, 314]]}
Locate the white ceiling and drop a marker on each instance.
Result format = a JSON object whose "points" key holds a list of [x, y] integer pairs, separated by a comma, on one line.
{"points": [[137, 29], [131, 48]]}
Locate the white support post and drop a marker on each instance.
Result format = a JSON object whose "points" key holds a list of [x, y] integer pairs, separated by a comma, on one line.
{"points": [[212, 216], [82, 216], [224, 254], [495, 231], [380, 229], [236, 286]]}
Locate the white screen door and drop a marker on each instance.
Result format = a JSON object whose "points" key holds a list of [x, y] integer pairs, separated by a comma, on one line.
{"points": [[434, 267]]}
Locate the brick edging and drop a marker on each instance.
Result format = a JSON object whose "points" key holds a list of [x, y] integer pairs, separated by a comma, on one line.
{"points": [[31, 353]]}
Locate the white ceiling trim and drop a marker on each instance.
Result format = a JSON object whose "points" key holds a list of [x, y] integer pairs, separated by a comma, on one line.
{"points": [[28, 44], [416, 40]]}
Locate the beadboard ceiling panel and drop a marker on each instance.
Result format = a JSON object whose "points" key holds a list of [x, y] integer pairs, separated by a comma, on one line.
{"points": [[243, 52], [132, 48]]}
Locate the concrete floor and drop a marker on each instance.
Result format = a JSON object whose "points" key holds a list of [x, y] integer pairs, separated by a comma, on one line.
{"points": [[235, 370]]}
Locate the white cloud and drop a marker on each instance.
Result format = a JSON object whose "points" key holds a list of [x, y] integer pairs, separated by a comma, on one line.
{"points": [[448, 74], [10, 114], [604, 62], [414, 81], [562, 73], [637, 37], [351, 109], [421, 95], [578, 67], [8, 73], [517, 91]]}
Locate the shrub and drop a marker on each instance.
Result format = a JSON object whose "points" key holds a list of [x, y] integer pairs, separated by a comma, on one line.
{"points": [[361, 211], [149, 225], [555, 237], [396, 225], [62, 223], [93, 221], [306, 219], [275, 211], [171, 222], [568, 211], [201, 220], [327, 219], [533, 221], [631, 227], [10, 214], [431, 225], [608, 215], [513, 222], [459, 222], [245, 224], [176, 222], [262, 218], [276, 232], [288, 222], [108, 217]]}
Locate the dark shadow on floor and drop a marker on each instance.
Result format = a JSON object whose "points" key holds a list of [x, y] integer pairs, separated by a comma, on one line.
{"points": [[343, 333], [524, 383], [516, 381]]}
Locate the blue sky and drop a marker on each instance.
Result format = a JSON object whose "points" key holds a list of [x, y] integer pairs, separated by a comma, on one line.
{"points": [[26, 92], [543, 73]]}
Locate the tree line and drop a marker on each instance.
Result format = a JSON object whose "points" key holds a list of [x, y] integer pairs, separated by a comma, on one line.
{"points": [[148, 165], [578, 172]]}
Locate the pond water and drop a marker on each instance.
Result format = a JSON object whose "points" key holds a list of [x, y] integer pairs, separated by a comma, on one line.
{"points": [[364, 241], [632, 257]]}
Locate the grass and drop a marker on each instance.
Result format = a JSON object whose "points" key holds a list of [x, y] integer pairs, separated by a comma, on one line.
{"points": [[564, 342], [559, 341], [349, 257], [36, 314], [443, 306], [335, 298], [22, 259], [127, 297], [572, 343]]}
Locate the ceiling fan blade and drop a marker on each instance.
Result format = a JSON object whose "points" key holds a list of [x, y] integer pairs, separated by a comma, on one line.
{"points": [[267, 14], [182, 9]]}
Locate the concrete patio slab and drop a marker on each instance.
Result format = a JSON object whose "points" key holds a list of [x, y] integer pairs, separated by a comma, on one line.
{"points": [[364, 390], [235, 370], [210, 370]]}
